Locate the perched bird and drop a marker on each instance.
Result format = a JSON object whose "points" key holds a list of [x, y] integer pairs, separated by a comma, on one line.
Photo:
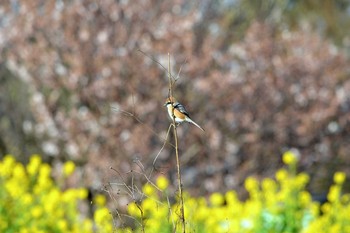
{"points": [[179, 112]]}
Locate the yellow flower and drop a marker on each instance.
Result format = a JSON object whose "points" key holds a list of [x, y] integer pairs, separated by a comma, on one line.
{"points": [[102, 215], [268, 185], [345, 198], [44, 181], [7, 165], [62, 225], [52, 200], [251, 184], [36, 211], [289, 158], [231, 198], [339, 177], [162, 183], [148, 205], [281, 175], [30, 193], [134, 210], [13, 188], [82, 193], [201, 211], [103, 219], [33, 165], [27, 199], [100, 200], [302, 179], [68, 168], [69, 196], [9, 160], [305, 198], [148, 189], [45, 170], [87, 225], [216, 199], [19, 171], [333, 194]]}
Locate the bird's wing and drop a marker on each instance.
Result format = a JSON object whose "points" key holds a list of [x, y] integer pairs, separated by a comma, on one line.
{"points": [[181, 108]]}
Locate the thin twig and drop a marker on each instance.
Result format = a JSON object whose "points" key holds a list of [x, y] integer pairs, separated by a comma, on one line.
{"points": [[182, 208], [161, 149], [134, 192], [133, 115], [154, 60]]}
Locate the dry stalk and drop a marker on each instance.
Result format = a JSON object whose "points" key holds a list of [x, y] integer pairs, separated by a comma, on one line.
{"points": [[182, 208]]}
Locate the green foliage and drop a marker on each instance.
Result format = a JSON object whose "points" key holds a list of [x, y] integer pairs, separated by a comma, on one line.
{"points": [[274, 205], [30, 201]]}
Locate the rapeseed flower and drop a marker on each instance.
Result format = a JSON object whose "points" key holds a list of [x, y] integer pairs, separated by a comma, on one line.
{"points": [[32, 202]]}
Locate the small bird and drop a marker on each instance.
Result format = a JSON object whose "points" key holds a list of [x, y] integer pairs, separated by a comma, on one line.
{"points": [[179, 112]]}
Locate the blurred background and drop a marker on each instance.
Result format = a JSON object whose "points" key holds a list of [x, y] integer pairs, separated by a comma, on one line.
{"points": [[261, 77]]}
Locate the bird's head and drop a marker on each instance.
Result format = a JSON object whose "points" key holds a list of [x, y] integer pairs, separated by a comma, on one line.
{"points": [[170, 100]]}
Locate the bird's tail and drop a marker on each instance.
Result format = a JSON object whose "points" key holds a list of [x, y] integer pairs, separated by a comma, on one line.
{"points": [[191, 121]]}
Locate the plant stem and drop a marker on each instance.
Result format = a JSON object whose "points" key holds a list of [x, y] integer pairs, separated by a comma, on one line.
{"points": [[182, 208]]}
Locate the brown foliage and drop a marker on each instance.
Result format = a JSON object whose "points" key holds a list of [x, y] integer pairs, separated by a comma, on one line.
{"points": [[271, 91]]}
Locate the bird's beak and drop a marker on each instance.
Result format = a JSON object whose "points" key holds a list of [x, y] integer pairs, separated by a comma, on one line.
{"points": [[165, 104]]}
